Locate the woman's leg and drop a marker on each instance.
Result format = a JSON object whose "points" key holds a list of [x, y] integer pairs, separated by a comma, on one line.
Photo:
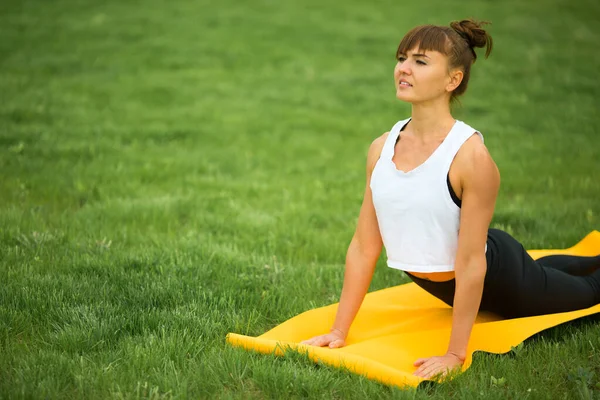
{"points": [[572, 265], [520, 286]]}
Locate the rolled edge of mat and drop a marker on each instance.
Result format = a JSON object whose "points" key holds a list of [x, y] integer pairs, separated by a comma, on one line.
{"points": [[353, 363]]}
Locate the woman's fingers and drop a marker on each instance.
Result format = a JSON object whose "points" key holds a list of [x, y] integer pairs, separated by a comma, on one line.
{"points": [[334, 344], [329, 339], [316, 341], [433, 370], [307, 341], [420, 361], [425, 365], [322, 341], [312, 341], [430, 370]]}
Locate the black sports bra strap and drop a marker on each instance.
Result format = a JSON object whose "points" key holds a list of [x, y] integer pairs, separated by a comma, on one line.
{"points": [[455, 198]]}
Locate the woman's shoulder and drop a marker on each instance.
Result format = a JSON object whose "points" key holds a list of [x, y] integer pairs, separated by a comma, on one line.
{"points": [[473, 149], [473, 155], [375, 149], [473, 139], [379, 142], [470, 130]]}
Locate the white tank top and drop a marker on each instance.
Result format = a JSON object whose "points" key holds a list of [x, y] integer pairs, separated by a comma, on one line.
{"points": [[417, 217]]}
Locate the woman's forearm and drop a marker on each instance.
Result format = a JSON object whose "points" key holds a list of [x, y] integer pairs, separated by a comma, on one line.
{"points": [[357, 278], [467, 299]]}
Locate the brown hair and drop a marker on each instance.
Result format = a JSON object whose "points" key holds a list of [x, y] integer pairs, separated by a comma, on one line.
{"points": [[457, 42]]}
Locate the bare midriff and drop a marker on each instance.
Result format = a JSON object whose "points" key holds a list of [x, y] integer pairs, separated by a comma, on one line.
{"points": [[434, 276]]}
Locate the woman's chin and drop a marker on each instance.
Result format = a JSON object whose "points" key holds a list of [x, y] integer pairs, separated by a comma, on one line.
{"points": [[400, 95]]}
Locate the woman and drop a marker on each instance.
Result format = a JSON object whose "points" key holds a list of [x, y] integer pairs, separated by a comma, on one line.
{"points": [[430, 195]]}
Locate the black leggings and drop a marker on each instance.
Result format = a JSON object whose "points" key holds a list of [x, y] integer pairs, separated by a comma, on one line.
{"points": [[517, 286]]}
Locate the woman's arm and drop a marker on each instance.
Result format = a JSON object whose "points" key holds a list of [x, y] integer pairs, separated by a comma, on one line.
{"points": [[480, 182], [361, 258]]}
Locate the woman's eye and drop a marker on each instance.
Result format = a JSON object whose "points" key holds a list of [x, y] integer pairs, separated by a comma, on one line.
{"points": [[401, 59]]}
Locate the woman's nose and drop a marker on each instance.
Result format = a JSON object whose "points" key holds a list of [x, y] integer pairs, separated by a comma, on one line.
{"points": [[404, 68]]}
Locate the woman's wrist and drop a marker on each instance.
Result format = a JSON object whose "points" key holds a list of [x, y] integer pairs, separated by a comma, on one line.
{"points": [[457, 355], [341, 332]]}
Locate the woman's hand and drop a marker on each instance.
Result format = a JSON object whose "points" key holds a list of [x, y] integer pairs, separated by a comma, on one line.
{"points": [[440, 365], [334, 340]]}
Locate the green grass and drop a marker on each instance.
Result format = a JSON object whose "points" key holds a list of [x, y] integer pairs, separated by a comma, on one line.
{"points": [[173, 171]]}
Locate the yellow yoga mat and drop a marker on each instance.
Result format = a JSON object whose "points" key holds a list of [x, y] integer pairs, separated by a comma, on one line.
{"points": [[395, 326]]}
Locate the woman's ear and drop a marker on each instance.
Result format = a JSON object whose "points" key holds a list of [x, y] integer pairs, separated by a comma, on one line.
{"points": [[456, 77]]}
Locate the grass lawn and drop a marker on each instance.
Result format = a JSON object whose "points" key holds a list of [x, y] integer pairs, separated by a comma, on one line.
{"points": [[173, 171]]}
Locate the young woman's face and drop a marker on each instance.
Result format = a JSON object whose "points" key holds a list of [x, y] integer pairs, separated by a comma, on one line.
{"points": [[426, 73]]}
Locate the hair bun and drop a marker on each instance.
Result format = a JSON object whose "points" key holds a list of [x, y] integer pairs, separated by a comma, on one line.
{"points": [[472, 31]]}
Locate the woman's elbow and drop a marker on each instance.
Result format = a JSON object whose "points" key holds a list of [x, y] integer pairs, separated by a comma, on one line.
{"points": [[366, 251], [473, 270]]}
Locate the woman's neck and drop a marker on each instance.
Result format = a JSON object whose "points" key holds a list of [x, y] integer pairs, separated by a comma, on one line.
{"points": [[430, 121]]}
